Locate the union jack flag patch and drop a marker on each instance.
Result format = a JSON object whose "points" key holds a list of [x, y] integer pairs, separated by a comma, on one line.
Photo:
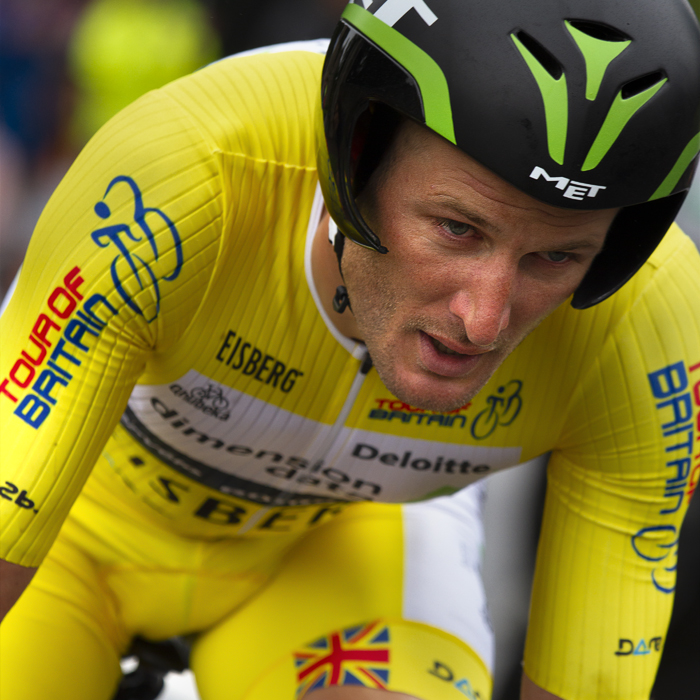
{"points": [[354, 656]]}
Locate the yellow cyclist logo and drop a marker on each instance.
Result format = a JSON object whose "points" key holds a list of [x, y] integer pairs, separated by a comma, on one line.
{"points": [[503, 408], [659, 544], [127, 265]]}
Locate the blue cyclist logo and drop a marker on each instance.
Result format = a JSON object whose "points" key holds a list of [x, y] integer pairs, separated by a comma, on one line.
{"points": [[503, 408], [127, 265], [657, 543]]}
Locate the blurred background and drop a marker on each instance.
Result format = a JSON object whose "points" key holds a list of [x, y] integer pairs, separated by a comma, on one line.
{"points": [[66, 66]]}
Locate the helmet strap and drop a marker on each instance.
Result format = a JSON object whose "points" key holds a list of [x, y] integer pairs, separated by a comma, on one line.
{"points": [[341, 300]]}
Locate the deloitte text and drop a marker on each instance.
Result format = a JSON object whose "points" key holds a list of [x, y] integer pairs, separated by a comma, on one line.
{"points": [[407, 460]]}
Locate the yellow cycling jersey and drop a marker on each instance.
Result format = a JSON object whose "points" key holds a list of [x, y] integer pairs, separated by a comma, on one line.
{"points": [[167, 307]]}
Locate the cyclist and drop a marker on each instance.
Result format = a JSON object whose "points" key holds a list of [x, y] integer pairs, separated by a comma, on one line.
{"points": [[474, 165]]}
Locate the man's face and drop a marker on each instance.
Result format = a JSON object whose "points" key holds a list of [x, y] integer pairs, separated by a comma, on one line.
{"points": [[473, 266]]}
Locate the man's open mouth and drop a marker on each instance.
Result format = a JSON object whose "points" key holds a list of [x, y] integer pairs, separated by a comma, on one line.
{"points": [[441, 347]]}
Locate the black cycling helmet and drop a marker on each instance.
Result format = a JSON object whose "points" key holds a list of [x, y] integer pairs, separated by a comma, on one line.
{"points": [[583, 104]]}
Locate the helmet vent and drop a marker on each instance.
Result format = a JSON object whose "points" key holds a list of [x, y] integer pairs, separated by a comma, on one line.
{"points": [[546, 59], [597, 30], [644, 82]]}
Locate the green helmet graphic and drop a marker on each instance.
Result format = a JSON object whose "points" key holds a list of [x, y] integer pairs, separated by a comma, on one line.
{"points": [[582, 104]]}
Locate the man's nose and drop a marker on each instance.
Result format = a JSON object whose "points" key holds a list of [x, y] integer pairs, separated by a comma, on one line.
{"points": [[483, 304]]}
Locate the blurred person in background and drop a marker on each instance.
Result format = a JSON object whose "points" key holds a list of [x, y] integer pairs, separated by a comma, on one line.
{"points": [[35, 107], [121, 49], [66, 67]]}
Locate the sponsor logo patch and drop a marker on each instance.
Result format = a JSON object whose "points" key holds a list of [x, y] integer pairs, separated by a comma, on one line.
{"points": [[132, 274], [209, 399], [462, 684], [395, 409], [626, 647], [658, 542], [58, 343], [503, 407], [572, 189], [239, 355]]}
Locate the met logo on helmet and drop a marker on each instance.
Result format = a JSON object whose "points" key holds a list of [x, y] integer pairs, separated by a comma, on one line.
{"points": [[572, 188], [393, 10]]}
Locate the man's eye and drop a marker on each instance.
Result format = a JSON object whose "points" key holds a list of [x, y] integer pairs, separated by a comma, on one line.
{"points": [[456, 228], [555, 256]]}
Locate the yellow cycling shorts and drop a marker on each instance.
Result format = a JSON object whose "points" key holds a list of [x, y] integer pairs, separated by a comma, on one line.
{"points": [[360, 600]]}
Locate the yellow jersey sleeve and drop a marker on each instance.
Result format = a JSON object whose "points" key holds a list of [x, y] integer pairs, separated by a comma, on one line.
{"points": [[120, 262], [618, 486]]}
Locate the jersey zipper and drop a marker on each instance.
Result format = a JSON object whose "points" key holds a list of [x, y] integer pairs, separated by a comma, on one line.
{"points": [[365, 367], [358, 381]]}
